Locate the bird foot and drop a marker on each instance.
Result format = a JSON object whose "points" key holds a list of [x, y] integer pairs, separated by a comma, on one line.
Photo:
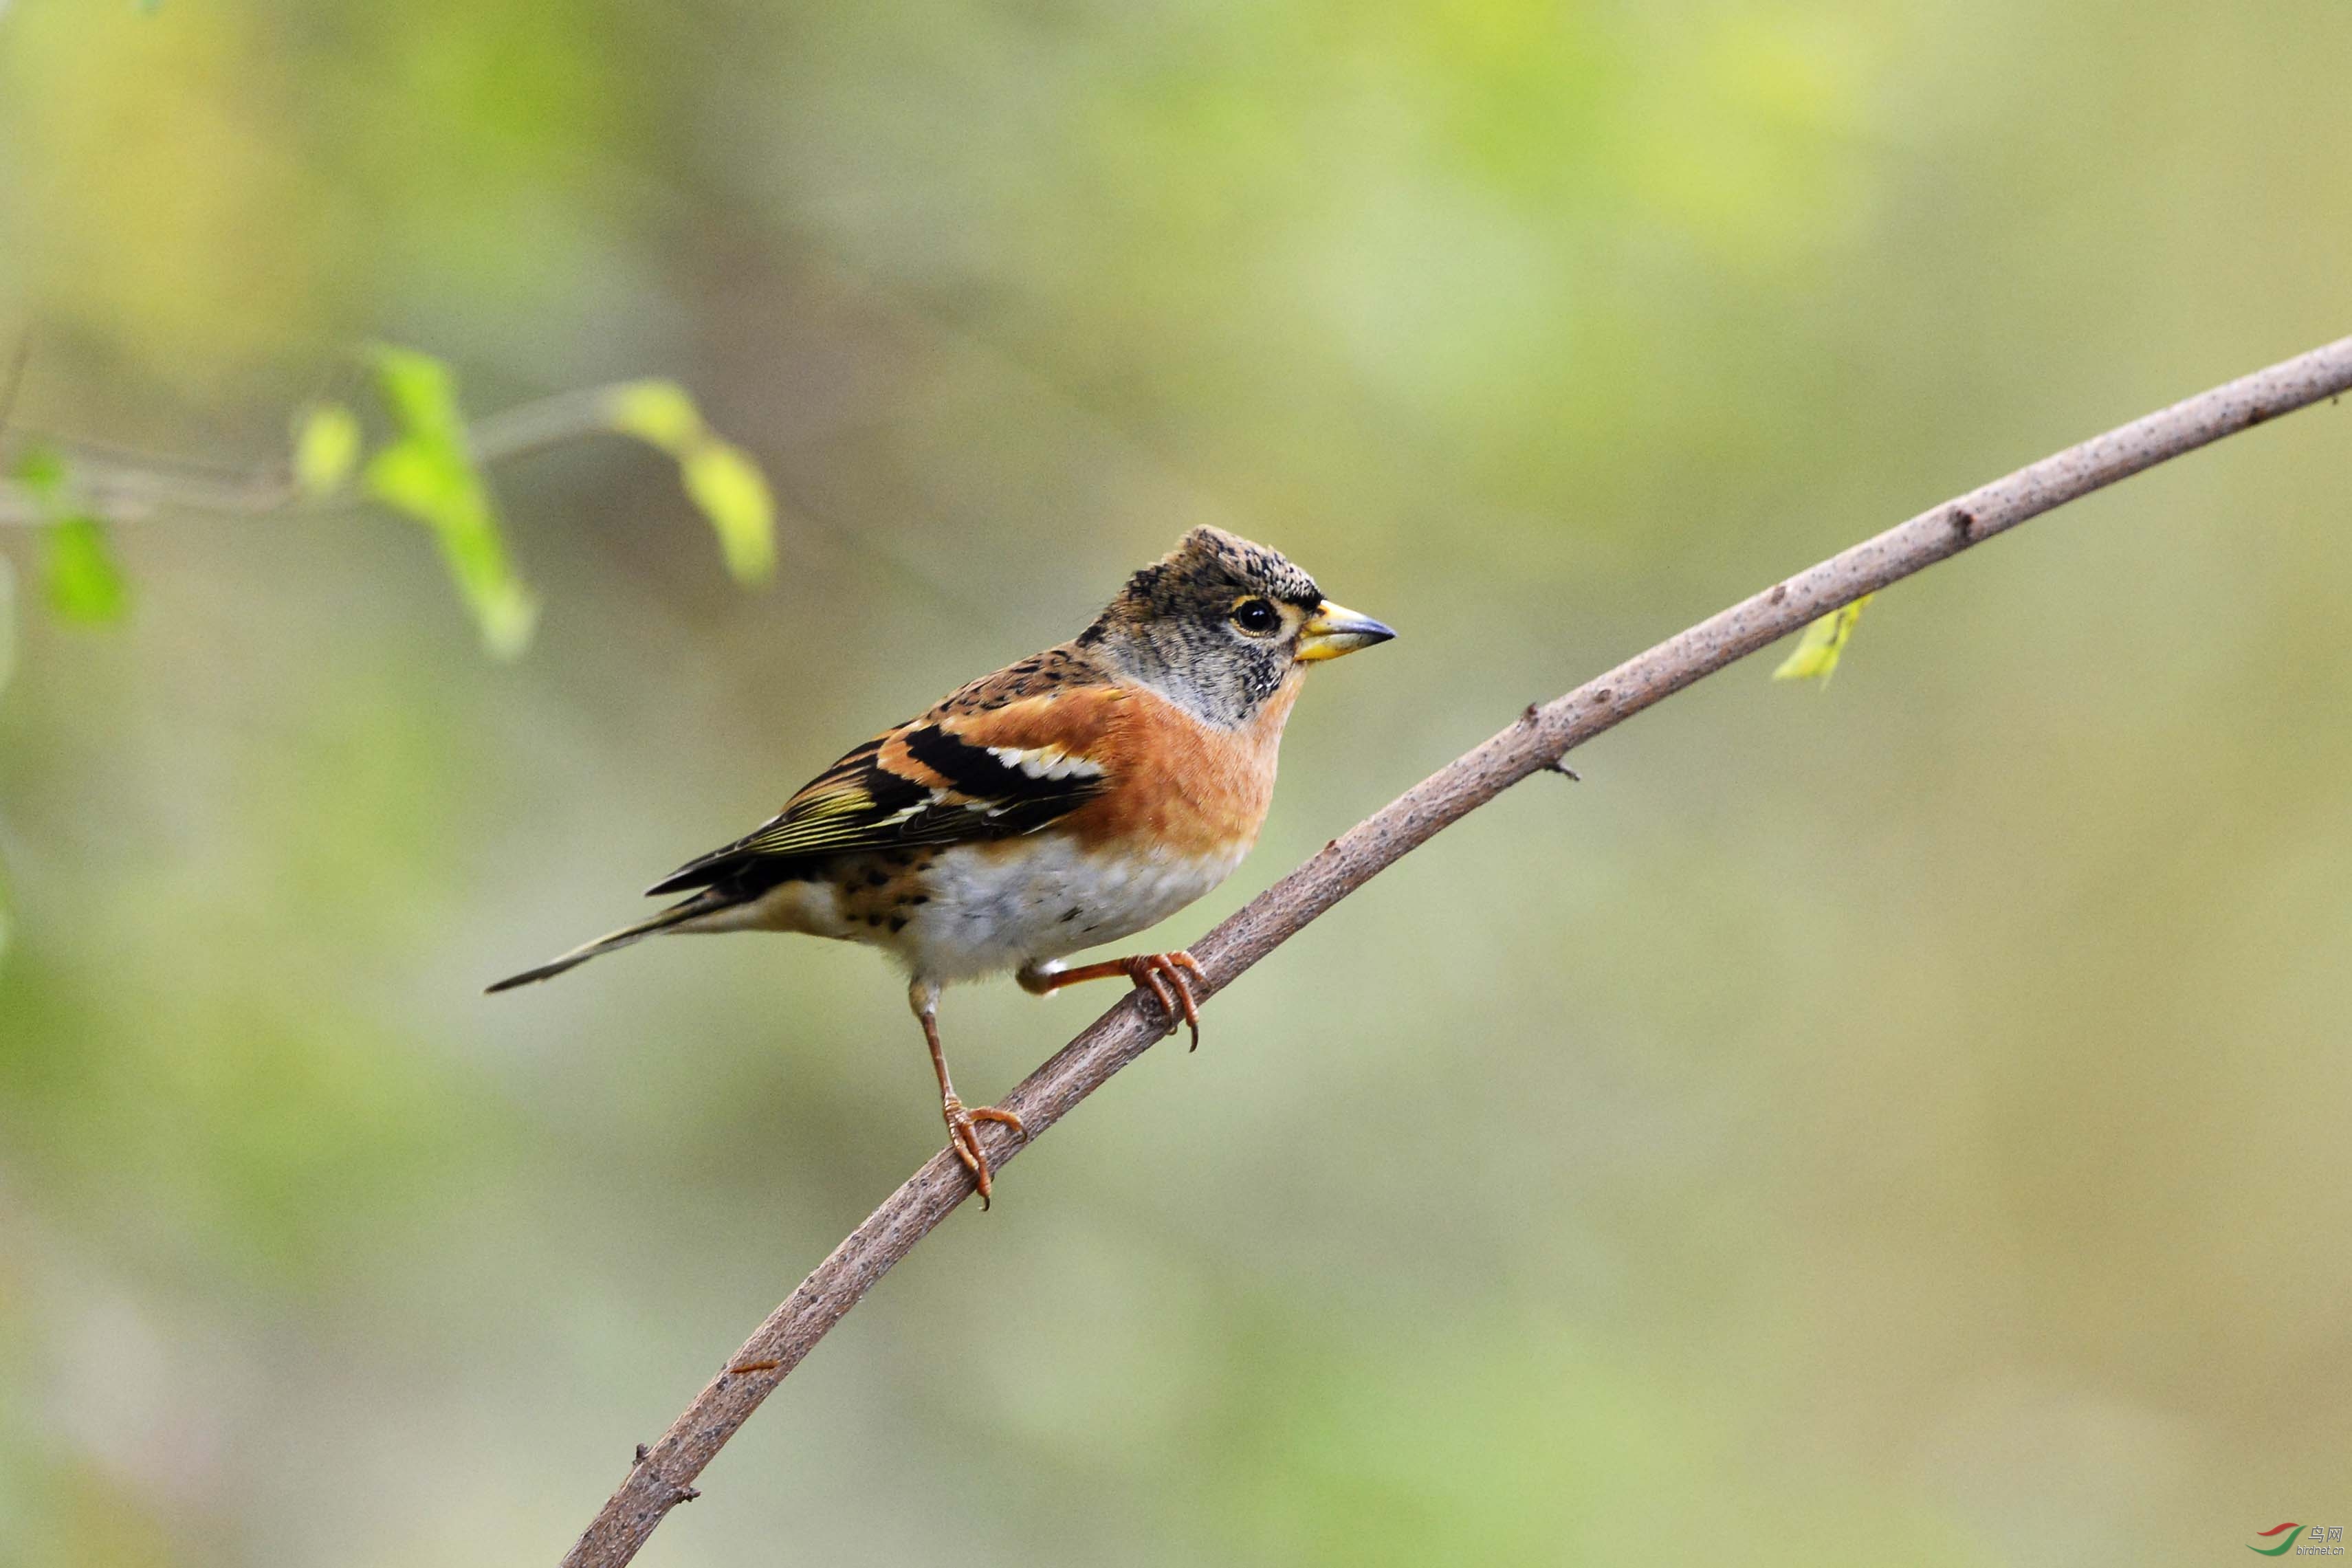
{"points": [[1164, 975], [963, 1137]]}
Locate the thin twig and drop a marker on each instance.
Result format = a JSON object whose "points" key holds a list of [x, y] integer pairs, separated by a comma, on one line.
{"points": [[663, 1472], [134, 491]]}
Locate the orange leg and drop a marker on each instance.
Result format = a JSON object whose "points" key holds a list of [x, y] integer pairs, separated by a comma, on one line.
{"points": [[1164, 974], [963, 1133]]}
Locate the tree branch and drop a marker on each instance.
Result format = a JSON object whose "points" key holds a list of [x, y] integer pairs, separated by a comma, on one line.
{"points": [[663, 1475]]}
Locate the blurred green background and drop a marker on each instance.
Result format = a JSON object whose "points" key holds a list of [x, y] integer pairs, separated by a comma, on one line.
{"points": [[1907, 1121]]}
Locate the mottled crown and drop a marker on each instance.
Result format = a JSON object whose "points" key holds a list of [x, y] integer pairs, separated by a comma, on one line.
{"points": [[1209, 569]]}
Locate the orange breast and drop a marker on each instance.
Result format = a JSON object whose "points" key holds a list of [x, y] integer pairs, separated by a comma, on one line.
{"points": [[1182, 784]]}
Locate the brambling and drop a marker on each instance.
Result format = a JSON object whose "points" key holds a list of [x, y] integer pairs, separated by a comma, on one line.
{"points": [[1071, 798]]}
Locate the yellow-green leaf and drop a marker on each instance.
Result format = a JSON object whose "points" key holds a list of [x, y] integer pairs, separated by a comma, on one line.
{"points": [[326, 449], [84, 583], [1818, 651], [659, 414], [719, 478], [427, 472], [727, 486], [421, 393], [408, 476]]}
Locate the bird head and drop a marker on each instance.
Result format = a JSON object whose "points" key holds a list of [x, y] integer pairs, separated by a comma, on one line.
{"points": [[1219, 624]]}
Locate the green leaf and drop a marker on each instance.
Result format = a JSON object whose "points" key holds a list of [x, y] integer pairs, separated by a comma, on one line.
{"points": [[422, 393], [84, 584], [428, 472], [77, 569], [1818, 651], [326, 449], [727, 486], [43, 472], [719, 477], [659, 414], [414, 477]]}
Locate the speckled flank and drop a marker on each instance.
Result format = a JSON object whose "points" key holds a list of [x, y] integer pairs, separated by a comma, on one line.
{"points": [[870, 897], [881, 893]]}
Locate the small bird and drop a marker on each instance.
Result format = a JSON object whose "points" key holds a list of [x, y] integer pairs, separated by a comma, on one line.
{"points": [[1072, 799]]}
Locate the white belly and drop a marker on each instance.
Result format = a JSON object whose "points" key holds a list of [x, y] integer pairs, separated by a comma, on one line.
{"points": [[993, 912]]}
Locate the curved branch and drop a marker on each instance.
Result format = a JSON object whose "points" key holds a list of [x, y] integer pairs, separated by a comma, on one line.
{"points": [[663, 1474]]}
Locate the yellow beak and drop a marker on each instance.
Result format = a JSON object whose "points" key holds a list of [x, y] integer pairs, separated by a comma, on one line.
{"points": [[1333, 630]]}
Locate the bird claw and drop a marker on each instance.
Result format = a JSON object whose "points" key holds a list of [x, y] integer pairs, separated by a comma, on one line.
{"points": [[963, 1137], [1159, 975], [1163, 974]]}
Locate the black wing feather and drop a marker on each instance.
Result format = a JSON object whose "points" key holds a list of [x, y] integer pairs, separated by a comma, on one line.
{"points": [[859, 805]]}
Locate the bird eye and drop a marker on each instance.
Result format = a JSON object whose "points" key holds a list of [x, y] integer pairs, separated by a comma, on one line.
{"points": [[1256, 617]]}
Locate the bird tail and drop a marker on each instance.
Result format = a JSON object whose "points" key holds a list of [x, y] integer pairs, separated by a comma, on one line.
{"points": [[710, 900]]}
